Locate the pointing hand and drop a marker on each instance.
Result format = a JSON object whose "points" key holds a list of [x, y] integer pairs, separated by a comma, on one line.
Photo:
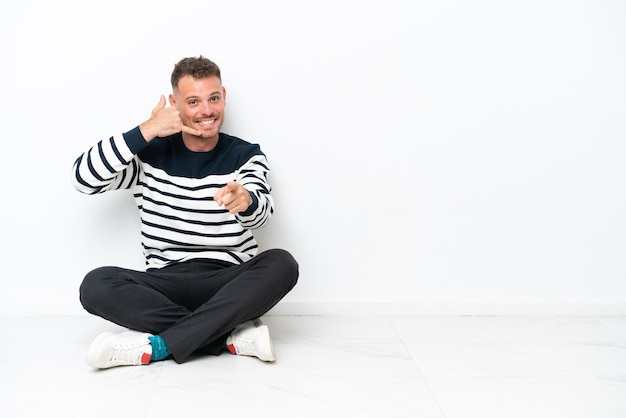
{"points": [[234, 197]]}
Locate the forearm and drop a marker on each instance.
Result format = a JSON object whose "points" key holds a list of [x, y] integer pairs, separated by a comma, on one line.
{"points": [[253, 177], [108, 165]]}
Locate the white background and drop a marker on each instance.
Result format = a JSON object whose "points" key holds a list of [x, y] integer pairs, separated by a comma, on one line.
{"points": [[430, 156]]}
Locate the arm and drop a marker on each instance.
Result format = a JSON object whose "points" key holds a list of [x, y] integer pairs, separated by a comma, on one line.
{"points": [[110, 165], [248, 197]]}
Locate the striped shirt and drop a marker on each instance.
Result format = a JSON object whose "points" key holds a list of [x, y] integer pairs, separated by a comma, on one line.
{"points": [[173, 189]]}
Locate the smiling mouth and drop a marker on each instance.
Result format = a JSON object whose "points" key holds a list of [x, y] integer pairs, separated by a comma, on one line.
{"points": [[206, 123]]}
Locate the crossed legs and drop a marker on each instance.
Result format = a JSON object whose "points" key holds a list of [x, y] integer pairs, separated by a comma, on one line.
{"points": [[192, 305]]}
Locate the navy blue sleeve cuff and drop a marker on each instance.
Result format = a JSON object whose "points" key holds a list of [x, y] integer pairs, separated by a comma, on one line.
{"points": [[253, 206], [135, 140]]}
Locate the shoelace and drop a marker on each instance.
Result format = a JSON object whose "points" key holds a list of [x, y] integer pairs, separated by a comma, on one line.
{"points": [[244, 344], [127, 354]]}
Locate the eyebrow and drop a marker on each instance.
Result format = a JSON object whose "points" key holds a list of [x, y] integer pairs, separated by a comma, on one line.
{"points": [[195, 96]]}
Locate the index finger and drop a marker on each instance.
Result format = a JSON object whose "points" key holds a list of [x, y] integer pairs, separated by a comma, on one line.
{"points": [[220, 194]]}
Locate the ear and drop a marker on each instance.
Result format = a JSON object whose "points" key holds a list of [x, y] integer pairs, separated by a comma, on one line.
{"points": [[172, 100], [224, 94]]}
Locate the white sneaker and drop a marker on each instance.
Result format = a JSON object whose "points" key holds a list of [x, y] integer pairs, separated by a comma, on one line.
{"points": [[129, 348], [251, 338]]}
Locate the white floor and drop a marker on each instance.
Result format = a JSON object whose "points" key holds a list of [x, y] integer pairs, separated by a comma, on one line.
{"points": [[453, 367]]}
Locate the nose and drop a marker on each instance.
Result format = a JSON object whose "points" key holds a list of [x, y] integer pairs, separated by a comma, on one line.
{"points": [[207, 107]]}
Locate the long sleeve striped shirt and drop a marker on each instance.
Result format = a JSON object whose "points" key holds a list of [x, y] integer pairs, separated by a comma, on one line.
{"points": [[173, 189]]}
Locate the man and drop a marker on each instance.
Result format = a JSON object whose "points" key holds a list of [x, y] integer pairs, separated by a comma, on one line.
{"points": [[199, 192]]}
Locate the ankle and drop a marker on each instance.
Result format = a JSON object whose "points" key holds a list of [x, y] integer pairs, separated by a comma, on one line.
{"points": [[160, 351]]}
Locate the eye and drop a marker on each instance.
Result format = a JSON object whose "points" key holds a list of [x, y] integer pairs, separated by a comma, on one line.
{"points": [[192, 102], [215, 98]]}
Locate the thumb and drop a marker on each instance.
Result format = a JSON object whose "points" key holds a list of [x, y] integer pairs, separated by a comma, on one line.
{"points": [[161, 104]]}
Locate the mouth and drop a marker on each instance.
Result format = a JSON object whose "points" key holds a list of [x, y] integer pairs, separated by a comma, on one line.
{"points": [[206, 123]]}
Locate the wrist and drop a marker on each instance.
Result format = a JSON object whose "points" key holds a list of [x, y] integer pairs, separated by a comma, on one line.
{"points": [[147, 131]]}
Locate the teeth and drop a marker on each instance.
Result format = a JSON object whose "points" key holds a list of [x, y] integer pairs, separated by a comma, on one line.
{"points": [[206, 122]]}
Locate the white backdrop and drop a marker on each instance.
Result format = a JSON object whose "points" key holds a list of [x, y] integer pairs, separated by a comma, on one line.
{"points": [[431, 157]]}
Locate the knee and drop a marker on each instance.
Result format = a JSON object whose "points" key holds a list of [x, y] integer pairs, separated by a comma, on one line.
{"points": [[287, 264], [93, 288]]}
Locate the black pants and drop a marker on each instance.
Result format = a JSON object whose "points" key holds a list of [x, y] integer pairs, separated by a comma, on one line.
{"points": [[192, 305]]}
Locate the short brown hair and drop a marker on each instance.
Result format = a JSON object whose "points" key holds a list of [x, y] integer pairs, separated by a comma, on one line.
{"points": [[197, 67]]}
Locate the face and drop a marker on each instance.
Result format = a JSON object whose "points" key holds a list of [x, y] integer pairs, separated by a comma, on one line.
{"points": [[201, 104]]}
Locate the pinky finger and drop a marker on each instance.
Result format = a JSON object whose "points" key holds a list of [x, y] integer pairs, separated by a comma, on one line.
{"points": [[191, 131]]}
